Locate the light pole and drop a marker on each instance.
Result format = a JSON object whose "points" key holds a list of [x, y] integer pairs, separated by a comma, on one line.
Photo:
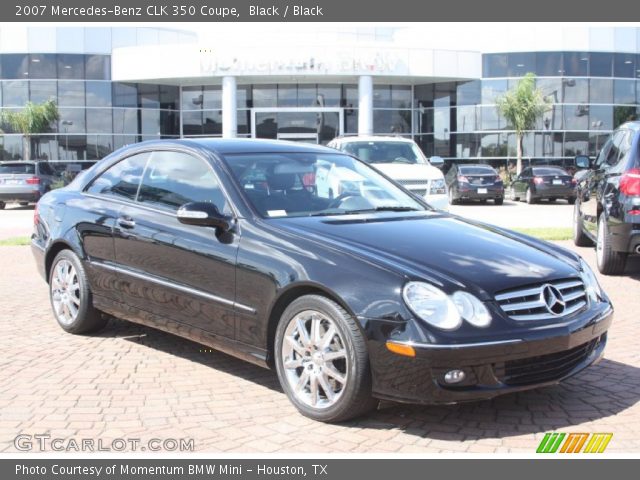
{"points": [[66, 124], [596, 124]]}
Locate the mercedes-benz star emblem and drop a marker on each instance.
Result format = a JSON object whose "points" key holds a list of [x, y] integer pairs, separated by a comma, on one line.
{"points": [[553, 299]]}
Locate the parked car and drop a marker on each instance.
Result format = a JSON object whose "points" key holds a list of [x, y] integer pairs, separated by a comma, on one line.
{"points": [[351, 299], [474, 182], [607, 211], [24, 182], [402, 160], [543, 183]]}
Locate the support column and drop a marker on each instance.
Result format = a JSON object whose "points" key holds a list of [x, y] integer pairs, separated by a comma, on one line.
{"points": [[229, 108], [365, 105]]}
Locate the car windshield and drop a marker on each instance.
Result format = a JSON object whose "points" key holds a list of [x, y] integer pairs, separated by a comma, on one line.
{"points": [[314, 184], [549, 171], [477, 171], [17, 168], [376, 151]]}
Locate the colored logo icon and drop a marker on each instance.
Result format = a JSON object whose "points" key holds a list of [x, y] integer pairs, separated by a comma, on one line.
{"points": [[574, 443]]}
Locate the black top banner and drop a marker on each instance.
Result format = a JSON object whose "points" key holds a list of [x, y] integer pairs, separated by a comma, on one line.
{"points": [[83, 11]]}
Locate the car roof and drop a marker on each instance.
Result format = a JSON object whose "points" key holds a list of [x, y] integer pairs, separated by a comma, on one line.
{"points": [[635, 125], [464, 165], [252, 145], [373, 138]]}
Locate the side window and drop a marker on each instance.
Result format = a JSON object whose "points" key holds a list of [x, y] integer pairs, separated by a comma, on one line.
{"points": [[614, 151], [625, 148], [122, 179], [172, 179], [45, 169]]}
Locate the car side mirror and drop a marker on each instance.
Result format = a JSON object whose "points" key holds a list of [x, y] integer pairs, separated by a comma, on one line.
{"points": [[436, 161], [204, 214], [582, 161]]}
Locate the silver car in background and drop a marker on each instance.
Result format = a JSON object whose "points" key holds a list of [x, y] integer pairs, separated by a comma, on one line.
{"points": [[24, 182]]}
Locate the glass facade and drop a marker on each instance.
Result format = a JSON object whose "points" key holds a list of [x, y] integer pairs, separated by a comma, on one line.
{"points": [[96, 114], [590, 94]]}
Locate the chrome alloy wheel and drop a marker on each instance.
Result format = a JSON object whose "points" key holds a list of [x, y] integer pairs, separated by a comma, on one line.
{"points": [[65, 292], [314, 359]]}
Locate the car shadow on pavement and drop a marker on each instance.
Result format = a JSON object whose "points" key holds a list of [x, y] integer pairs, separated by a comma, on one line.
{"points": [[601, 391]]}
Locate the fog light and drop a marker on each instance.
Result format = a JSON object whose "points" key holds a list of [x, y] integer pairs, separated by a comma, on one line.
{"points": [[454, 376]]}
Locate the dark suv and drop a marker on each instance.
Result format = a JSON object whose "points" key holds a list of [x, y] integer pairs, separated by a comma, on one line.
{"points": [[607, 210]]}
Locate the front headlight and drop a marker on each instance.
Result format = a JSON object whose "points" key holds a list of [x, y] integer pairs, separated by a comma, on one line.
{"points": [[443, 311], [432, 305], [594, 291], [471, 309], [438, 187]]}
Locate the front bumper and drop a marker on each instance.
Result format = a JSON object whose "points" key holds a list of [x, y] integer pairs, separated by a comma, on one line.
{"points": [[491, 368], [441, 202]]}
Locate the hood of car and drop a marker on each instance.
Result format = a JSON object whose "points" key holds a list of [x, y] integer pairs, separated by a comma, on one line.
{"points": [[406, 171], [442, 248]]}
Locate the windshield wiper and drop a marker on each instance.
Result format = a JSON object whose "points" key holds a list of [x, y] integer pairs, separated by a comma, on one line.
{"points": [[385, 208]]}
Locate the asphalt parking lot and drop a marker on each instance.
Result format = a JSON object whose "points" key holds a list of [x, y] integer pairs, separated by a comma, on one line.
{"points": [[134, 382]]}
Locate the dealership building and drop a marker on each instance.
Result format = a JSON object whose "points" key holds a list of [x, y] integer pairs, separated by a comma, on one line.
{"points": [[435, 83]]}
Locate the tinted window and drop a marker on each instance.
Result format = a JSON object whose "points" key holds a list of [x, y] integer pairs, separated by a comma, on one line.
{"points": [[614, 151], [172, 179], [549, 171], [17, 168], [624, 148], [477, 171], [45, 169], [122, 179]]}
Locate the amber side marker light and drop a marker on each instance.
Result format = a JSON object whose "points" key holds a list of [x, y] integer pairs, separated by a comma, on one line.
{"points": [[401, 349]]}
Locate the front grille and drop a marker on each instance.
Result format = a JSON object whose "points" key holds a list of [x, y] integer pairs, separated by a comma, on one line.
{"points": [[528, 304], [544, 368], [413, 182]]}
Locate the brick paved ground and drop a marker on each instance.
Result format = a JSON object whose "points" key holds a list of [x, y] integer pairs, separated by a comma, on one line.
{"points": [[136, 382]]}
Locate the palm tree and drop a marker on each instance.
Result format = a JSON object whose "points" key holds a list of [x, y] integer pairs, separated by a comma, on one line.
{"points": [[34, 118], [522, 106]]}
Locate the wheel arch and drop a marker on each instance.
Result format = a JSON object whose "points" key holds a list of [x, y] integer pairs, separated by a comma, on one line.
{"points": [[285, 298], [55, 248]]}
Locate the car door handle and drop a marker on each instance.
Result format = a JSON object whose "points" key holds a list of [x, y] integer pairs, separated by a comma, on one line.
{"points": [[126, 222]]}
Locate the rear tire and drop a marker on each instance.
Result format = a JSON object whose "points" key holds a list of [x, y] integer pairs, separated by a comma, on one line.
{"points": [[529, 197], [2, 205], [609, 261], [71, 297], [580, 238], [322, 360], [571, 200], [552, 200], [452, 199], [498, 201], [24, 204]]}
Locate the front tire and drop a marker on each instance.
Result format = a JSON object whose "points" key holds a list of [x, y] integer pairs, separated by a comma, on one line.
{"points": [[2, 205], [609, 261], [71, 297], [580, 239], [322, 360]]}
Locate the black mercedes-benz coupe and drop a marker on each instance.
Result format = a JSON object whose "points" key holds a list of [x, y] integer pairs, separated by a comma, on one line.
{"points": [[238, 245]]}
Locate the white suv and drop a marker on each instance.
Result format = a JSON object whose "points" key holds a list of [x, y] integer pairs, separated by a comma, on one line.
{"points": [[402, 160]]}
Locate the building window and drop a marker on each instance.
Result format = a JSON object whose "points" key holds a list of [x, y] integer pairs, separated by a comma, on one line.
{"points": [[71, 67]]}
